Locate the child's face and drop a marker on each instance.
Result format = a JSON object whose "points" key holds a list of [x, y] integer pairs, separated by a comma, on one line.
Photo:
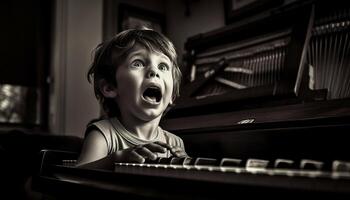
{"points": [[144, 84]]}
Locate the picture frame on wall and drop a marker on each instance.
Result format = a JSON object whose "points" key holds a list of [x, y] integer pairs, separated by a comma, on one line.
{"points": [[239, 9], [135, 17]]}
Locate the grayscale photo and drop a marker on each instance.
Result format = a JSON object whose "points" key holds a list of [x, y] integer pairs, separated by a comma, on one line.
{"points": [[174, 99]]}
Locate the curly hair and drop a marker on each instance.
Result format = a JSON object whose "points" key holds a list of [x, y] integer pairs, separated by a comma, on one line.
{"points": [[111, 54]]}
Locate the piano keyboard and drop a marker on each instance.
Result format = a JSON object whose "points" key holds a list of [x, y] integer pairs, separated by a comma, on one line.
{"points": [[195, 178], [336, 169]]}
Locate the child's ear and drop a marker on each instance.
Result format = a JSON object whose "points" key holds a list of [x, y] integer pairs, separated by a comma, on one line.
{"points": [[108, 90]]}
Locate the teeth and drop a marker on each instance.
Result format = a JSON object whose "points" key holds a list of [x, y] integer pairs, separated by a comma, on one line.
{"points": [[152, 99]]}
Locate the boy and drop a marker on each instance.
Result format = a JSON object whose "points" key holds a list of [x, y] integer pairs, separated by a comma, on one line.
{"points": [[136, 78]]}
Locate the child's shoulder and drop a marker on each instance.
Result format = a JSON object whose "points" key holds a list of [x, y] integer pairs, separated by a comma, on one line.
{"points": [[101, 124], [172, 138], [97, 120], [169, 133]]}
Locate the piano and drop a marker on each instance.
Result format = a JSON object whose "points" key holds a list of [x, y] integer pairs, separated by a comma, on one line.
{"points": [[265, 110]]}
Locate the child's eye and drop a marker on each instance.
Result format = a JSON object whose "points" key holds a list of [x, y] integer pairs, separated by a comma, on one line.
{"points": [[163, 67], [137, 63]]}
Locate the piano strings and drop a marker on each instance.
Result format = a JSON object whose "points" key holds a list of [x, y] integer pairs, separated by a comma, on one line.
{"points": [[260, 61], [250, 64], [328, 55]]}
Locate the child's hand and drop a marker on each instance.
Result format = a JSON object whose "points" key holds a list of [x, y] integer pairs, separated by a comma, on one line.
{"points": [[175, 150], [140, 153]]}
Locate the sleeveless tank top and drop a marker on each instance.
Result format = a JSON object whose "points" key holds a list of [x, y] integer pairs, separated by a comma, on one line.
{"points": [[118, 138]]}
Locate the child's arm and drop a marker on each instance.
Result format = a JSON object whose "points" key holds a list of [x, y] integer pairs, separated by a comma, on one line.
{"points": [[94, 153]]}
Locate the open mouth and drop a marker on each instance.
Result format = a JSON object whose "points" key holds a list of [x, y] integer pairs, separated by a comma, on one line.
{"points": [[152, 94]]}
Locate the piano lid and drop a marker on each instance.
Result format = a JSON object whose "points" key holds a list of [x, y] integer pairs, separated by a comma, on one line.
{"points": [[294, 54]]}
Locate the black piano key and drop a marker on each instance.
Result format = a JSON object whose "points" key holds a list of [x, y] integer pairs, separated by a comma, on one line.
{"points": [[257, 163], [165, 161], [341, 166], [231, 162], [171, 161], [149, 161], [308, 164], [285, 164], [177, 161], [188, 161], [206, 161]]}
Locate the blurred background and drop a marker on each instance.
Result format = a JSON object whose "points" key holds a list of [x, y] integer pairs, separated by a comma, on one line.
{"points": [[47, 49]]}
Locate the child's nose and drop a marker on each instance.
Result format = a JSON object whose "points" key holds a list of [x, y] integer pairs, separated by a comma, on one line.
{"points": [[152, 73]]}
